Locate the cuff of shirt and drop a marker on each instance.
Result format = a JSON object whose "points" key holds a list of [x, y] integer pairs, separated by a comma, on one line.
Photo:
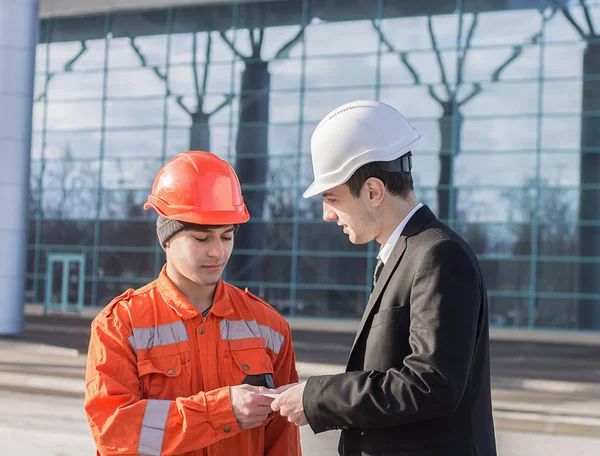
{"points": [[221, 413]]}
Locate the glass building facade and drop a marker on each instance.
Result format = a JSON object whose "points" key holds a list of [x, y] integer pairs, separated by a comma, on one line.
{"points": [[505, 92]]}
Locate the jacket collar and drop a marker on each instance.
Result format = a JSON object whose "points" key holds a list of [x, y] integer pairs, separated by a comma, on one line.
{"points": [[222, 304], [416, 223]]}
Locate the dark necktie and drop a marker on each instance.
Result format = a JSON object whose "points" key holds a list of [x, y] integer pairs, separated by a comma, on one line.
{"points": [[378, 268]]}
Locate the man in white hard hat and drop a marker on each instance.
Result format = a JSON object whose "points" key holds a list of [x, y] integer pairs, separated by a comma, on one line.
{"points": [[418, 376]]}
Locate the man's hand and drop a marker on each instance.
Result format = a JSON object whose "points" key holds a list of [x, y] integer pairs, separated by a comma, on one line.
{"points": [[289, 403], [250, 407]]}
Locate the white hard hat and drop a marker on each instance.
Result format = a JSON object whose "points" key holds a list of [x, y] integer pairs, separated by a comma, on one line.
{"points": [[355, 134]]}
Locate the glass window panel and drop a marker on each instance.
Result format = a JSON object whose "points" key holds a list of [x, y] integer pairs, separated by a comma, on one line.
{"points": [[562, 277], [506, 276], [128, 233], [332, 303], [126, 265], [127, 204], [285, 74], [499, 134], [558, 205], [74, 204], [121, 173], [559, 239], [67, 232], [284, 107], [322, 237], [41, 51], [147, 82], [563, 60], [561, 132], [134, 143], [495, 238], [36, 146], [426, 169], [341, 72], [75, 86], [557, 313], [283, 140], [34, 175], [353, 37], [318, 103], [72, 145], [68, 175], [563, 97], [494, 169], [121, 114], [331, 270], [414, 103], [491, 205], [278, 235], [500, 99], [508, 311], [38, 115], [74, 115], [39, 86]]}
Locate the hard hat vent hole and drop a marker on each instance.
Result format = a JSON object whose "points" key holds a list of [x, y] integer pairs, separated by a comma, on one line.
{"points": [[337, 113]]}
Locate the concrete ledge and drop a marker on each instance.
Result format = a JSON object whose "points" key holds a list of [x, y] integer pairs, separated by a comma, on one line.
{"points": [[547, 386], [547, 424]]}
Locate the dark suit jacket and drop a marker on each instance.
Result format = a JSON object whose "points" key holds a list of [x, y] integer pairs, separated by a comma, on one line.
{"points": [[418, 376]]}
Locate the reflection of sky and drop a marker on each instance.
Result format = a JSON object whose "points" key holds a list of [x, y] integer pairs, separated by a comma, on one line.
{"points": [[499, 138]]}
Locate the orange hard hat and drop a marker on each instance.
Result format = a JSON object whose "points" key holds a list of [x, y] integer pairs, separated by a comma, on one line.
{"points": [[199, 188]]}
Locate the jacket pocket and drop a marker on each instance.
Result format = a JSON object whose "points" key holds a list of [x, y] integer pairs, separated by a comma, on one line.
{"points": [[246, 357], [390, 315], [161, 377]]}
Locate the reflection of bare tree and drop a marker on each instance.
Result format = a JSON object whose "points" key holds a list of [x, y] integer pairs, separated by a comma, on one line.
{"points": [[450, 123], [67, 68], [589, 198], [252, 144], [199, 130]]}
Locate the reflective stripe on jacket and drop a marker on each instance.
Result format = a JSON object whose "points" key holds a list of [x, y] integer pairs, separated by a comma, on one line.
{"points": [[158, 373]]}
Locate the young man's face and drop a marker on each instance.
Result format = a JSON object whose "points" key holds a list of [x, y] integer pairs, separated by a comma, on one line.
{"points": [[353, 214], [201, 253]]}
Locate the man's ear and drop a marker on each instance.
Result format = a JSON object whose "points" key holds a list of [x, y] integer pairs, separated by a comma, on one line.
{"points": [[375, 189]]}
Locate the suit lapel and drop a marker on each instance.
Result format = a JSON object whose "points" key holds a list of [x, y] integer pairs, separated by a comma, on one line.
{"points": [[414, 225]]}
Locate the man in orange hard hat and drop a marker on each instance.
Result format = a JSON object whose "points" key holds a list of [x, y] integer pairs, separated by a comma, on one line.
{"points": [[180, 365]]}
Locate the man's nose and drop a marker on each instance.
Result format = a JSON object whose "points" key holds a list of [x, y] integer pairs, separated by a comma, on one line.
{"points": [[328, 213]]}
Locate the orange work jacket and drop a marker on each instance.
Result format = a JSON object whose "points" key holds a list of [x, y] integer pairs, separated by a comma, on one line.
{"points": [[158, 373]]}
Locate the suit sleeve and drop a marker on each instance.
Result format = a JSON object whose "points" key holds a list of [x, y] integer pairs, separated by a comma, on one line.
{"points": [[445, 306], [123, 423], [282, 438]]}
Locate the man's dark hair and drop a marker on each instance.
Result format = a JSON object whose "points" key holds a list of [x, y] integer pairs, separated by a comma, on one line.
{"points": [[397, 183]]}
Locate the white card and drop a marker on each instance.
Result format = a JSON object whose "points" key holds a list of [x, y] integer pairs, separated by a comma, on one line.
{"points": [[271, 395]]}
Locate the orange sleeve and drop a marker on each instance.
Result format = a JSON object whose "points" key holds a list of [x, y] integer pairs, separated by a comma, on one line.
{"points": [[282, 438], [123, 423]]}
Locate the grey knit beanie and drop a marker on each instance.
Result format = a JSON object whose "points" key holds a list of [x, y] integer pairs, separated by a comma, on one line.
{"points": [[167, 228]]}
